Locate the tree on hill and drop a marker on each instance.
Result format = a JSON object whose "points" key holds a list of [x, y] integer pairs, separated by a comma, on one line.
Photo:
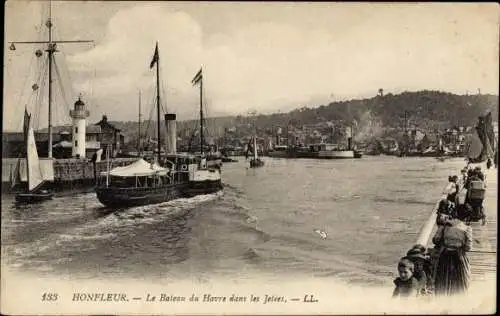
{"points": [[380, 114]]}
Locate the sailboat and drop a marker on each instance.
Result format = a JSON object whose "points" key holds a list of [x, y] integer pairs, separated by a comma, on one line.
{"points": [[255, 161], [34, 193], [51, 49], [486, 143], [162, 180]]}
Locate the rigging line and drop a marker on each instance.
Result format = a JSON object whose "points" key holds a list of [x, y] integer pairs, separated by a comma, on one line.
{"points": [[96, 105], [65, 71], [164, 95], [65, 118], [39, 93], [145, 118], [28, 75], [206, 118], [146, 131], [54, 101], [59, 77], [151, 110], [152, 114]]}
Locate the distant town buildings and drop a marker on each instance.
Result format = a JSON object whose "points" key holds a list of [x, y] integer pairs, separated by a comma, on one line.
{"points": [[391, 139]]}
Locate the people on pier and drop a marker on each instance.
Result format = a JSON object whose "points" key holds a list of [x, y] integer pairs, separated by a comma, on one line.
{"points": [[406, 284], [446, 208], [452, 189], [452, 269], [463, 172], [464, 212], [475, 195], [423, 268], [488, 163], [479, 173]]}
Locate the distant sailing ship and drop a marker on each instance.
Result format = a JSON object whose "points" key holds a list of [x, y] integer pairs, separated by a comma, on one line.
{"points": [[255, 161], [143, 183], [487, 142], [34, 193]]}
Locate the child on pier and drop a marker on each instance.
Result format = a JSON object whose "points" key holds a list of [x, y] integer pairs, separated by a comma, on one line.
{"points": [[423, 268], [406, 284]]}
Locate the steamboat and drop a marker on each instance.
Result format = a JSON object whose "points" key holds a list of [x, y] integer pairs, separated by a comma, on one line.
{"points": [[165, 178]]}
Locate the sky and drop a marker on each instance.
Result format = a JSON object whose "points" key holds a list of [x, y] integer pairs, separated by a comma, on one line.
{"points": [[263, 57]]}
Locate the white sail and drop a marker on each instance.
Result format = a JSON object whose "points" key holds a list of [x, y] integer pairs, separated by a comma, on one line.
{"points": [[34, 172], [14, 173], [255, 148]]}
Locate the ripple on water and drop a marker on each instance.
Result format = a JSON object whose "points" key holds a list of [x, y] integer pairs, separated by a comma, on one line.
{"points": [[371, 210]]}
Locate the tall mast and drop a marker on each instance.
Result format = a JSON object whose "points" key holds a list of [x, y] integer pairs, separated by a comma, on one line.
{"points": [[51, 49], [201, 116], [158, 101], [255, 147], [139, 138], [406, 124], [287, 134]]}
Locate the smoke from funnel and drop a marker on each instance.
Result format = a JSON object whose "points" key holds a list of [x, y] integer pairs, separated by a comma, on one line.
{"points": [[369, 126]]}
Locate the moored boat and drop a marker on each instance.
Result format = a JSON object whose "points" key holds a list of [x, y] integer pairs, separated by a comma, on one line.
{"points": [[34, 197], [279, 151], [179, 175], [255, 161], [228, 159], [333, 151], [34, 192]]}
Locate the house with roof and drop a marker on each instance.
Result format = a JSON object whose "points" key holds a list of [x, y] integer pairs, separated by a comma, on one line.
{"points": [[63, 147], [110, 137], [13, 142]]}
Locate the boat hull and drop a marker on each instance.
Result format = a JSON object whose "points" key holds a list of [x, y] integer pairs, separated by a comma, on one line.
{"points": [[256, 163], [128, 197], [203, 187], [278, 154], [336, 154], [227, 159], [29, 198]]}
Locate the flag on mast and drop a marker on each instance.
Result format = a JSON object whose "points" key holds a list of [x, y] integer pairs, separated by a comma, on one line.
{"points": [[156, 57], [198, 77]]}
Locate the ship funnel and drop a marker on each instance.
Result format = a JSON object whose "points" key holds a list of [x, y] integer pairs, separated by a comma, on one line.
{"points": [[170, 124]]}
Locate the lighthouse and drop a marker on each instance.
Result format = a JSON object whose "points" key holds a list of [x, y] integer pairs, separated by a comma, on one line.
{"points": [[79, 115]]}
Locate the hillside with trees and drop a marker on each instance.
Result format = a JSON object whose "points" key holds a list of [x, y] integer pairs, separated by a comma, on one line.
{"points": [[428, 110]]}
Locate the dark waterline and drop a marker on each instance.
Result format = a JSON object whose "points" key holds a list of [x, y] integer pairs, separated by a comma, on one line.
{"points": [[263, 223]]}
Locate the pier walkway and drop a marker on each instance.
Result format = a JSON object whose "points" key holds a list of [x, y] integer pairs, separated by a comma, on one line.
{"points": [[483, 255]]}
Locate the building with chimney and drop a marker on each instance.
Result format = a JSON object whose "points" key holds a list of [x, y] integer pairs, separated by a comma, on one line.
{"points": [[110, 137]]}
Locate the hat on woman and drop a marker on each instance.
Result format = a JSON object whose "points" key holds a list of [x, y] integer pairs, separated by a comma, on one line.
{"points": [[415, 254], [418, 247]]}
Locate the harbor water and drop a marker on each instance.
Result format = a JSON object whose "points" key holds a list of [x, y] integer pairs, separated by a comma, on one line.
{"points": [[265, 224]]}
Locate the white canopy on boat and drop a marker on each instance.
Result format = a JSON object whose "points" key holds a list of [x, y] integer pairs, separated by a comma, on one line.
{"points": [[140, 168]]}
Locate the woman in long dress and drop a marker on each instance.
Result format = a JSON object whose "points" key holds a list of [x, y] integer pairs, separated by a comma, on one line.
{"points": [[452, 270]]}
